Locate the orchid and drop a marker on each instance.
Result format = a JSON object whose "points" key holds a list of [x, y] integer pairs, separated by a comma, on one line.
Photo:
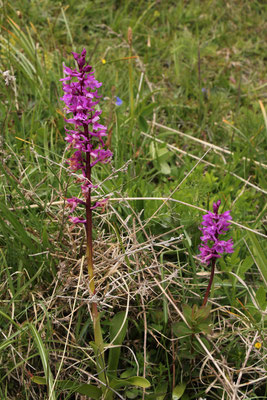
{"points": [[85, 138], [212, 247]]}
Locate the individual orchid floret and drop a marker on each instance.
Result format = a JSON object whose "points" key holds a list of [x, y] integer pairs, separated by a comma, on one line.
{"points": [[77, 220], [73, 202]]}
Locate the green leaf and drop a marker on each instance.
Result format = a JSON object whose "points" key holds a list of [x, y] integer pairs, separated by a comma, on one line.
{"points": [[44, 358], [261, 297], [153, 150], [86, 389], [245, 266], [117, 324], [40, 380], [19, 231], [188, 313], [261, 260], [127, 373], [143, 124], [164, 154], [132, 381], [203, 313], [165, 168], [178, 391], [203, 327], [180, 329], [147, 110], [161, 391]]}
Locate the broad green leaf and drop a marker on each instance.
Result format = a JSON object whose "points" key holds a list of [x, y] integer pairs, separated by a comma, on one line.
{"points": [[147, 110], [132, 394], [245, 266], [132, 381], [116, 325], [165, 168], [180, 329], [142, 122], [188, 313], [153, 150], [40, 380], [178, 391], [203, 313], [261, 297], [163, 154], [203, 327], [86, 389], [127, 373]]}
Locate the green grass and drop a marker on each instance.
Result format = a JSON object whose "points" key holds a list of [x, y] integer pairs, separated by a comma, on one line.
{"points": [[197, 83]]}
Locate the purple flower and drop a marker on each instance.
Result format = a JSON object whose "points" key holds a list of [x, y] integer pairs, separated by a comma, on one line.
{"points": [[86, 135], [77, 220], [213, 225], [118, 101], [100, 203], [73, 202]]}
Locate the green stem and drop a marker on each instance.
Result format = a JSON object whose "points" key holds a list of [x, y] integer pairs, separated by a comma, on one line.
{"points": [[131, 73]]}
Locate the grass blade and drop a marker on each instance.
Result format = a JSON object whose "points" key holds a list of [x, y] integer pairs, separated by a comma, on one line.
{"points": [[259, 255], [44, 357]]}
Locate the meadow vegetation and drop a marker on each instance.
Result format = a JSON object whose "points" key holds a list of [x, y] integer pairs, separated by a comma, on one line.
{"points": [[191, 129]]}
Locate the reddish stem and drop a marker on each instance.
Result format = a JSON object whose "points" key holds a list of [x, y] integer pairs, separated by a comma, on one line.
{"points": [[210, 282], [89, 222]]}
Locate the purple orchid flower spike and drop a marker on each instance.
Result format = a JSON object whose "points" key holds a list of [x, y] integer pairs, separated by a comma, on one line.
{"points": [[215, 224], [86, 137], [212, 247]]}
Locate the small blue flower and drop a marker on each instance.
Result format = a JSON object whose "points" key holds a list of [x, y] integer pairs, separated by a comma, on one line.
{"points": [[118, 101]]}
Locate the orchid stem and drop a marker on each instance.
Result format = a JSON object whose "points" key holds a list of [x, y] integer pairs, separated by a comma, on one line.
{"points": [[99, 353], [210, 282]]}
